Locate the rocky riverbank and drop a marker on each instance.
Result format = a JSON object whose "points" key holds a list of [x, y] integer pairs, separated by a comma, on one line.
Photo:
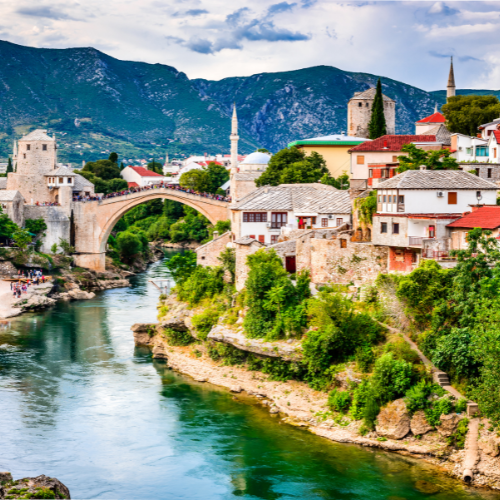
{"points": [[31, 487], [297, 404]]}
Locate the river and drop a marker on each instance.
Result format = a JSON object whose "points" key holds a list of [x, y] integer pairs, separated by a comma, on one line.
{"points": [[79, 402]]}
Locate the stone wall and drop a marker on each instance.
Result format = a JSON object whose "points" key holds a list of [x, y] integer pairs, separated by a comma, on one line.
{"points": [[483, 169], [340, 260], [207, 255], [242, 252], [57, 220], [358, 117], [284, 249], [32, 187]]}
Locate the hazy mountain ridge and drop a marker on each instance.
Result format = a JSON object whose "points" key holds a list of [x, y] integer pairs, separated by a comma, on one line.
{"points": [[143, 109]]}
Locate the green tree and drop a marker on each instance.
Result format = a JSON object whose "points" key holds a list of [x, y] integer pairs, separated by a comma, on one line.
{"points": [[217, 176], [377, 126], [292, 165], [115, 185], [22, 238], [433, 160], [9, 166], [53, 248], [104, 169], [341, 182], [182, 265], [66, 247], [113, 157], [7, 226], [155, 166], [35, 226], [464, 113], [122, 166], [196, 179], [128, 244], [262, 150]]}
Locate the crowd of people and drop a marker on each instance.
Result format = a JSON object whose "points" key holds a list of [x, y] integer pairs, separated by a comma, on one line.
{"points": [[47, 204], [25, 280], [138, 189]]}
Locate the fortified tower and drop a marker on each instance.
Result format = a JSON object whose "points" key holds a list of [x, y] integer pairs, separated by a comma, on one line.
{"points": [[359, 112], [34, 157]]}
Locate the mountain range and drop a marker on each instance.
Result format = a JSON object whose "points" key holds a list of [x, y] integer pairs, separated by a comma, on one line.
{"points": [[95, 103]]}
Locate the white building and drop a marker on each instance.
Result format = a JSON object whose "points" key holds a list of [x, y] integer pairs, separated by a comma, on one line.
{"points": [[414, 208], [141, 177], [469, 149], [263, 213], [487, 128]]}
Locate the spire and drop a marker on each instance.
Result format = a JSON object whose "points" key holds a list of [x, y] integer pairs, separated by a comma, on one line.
{"points": [[436, 108], [234, 139], [450, 88], [166, 159]]}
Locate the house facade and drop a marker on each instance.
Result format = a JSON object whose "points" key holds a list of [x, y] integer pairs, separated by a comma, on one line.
{"points": [[414, 209], [263, 214], [141, 176]]}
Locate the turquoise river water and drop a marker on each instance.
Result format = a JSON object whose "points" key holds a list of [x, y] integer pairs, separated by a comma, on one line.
{"points": [[79, 402]]}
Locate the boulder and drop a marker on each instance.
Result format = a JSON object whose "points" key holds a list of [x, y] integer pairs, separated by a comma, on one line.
{"points": [[490, 446], [77, 294], [419, 425], [448, 425], [143, 333], [393, 421], [36, 487], [5, 476], [159, 352]]}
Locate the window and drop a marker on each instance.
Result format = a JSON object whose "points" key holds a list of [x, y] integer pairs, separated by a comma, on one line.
{"points": [[61, 180], [468, 150], [44, 147], [254, 217], [343, 243], [414, 257], [367, 105], [28, 147], [394, 159], [395, 228], [452, 198], [477, 172], [24, 156], [380, 198], [385, 198], [324, 222], [340, 222], [360, 159], [261, 238], [494, 152], [489, 173], [69, 180], [274, 239], [401, 199], [278, 220], [252, 236], [383, 227], [370, 173], [399, 256], [360, 105]]}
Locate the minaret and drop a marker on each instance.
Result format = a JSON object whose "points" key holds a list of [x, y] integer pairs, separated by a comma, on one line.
{"points": [[450, 88], [14, 157], [234, 140]]}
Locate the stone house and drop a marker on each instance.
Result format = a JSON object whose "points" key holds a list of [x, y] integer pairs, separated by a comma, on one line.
{"points": [[12, 204], [207, 254], [414, 209], [359, 113], [485, 217], [264, 213], [383, 151], [243, 177]]}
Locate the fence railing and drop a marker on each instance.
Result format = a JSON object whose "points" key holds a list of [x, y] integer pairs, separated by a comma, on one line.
{"points": [[415, 241]]}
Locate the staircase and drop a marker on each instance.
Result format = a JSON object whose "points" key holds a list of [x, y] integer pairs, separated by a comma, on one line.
{"points": [[442, 379]]}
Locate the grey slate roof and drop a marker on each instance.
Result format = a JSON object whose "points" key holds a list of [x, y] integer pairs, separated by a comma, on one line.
{"points": [[442, 134], [9, 195], [81, 183], [248, 176], [370, 94], [299, 198], [37, 135], [61, 171], [3, 182], [437, 179], [246, 240]]}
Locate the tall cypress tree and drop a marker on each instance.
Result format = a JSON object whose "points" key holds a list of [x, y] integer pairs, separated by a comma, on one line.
{"points": [[377, 127], [9, 166]]}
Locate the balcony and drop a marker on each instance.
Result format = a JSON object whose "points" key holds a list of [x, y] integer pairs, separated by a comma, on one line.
{"points": [[401, 207], [415, 241]]}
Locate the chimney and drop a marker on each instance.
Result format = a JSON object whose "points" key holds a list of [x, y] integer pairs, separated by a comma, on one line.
{"points": [[479, 135], [215, 235], [423, 167], [385, 144]]}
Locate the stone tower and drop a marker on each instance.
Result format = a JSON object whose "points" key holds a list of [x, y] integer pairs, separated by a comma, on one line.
{"points": [[36, 156], [450, 88], [359, 112], [234, 139]]}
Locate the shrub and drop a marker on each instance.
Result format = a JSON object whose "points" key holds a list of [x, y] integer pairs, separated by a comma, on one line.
{"points": [[203, 282], [339, 400], [440, 407], [204, 321], [182, 265], [391, 378], [461, 405], [359, 399], [177, 338], [226, 352], [458, 438], [371, 410], [416, 397], [277, 369], [364, 358]]}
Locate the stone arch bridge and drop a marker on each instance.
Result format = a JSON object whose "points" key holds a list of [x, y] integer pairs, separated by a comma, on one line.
{"points": [[93, 221]]}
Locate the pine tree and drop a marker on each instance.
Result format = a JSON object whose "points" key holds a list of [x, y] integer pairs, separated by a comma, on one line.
{"points": [[377, 126], [122, 166], [9, 166]]}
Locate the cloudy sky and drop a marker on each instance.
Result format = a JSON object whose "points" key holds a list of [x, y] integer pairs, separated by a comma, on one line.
{"points": [[214, 39]]}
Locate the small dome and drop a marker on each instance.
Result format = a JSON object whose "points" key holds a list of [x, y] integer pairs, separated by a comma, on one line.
{"points": [[256, 159]]}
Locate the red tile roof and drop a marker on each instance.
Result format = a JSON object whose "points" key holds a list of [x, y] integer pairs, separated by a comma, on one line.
{"points": [[496, 133], [487, 217], [391, 142], [434, 118], [133, 185], [144, 172]]}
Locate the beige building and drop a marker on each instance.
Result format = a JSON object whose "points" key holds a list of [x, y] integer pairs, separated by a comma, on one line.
{"points": [[359, 112], [333, 148]]}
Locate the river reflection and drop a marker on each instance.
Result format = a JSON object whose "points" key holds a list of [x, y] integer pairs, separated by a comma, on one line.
{"points": [[80, 403]]}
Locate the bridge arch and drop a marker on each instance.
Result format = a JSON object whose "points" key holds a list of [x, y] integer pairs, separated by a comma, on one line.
{"points": [[94, 221]]}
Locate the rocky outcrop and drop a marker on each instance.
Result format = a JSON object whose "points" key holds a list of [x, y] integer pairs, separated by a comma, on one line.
{"points": [[393, 421], [419, 425], [81, 295], [289, 350], [448, 425], [32, 487], [490, 446], [36, 298], [144, 332]]}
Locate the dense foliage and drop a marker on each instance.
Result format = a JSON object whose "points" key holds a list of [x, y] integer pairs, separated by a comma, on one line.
{"points": [[366, 207], [293, 166], [433, 160], [464, 113], [206, 180]]}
